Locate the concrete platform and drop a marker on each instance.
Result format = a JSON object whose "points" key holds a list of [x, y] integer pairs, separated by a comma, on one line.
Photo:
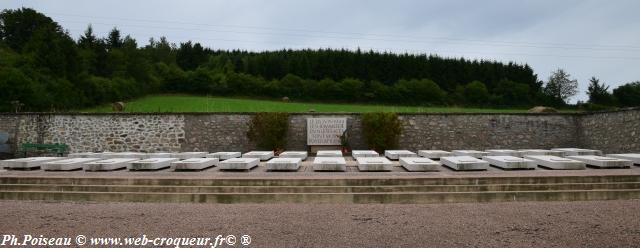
{"points": [[109, 164], [635, 157], [557, 163], [67, 164], [419, 164], [152, 164], [294, 154], [239, 163], [85, 155], [195, 163], [472, 153], [397, 154], [464, 163], [27, 163], [188, 155], [603, 162], [433, 154], [284, 164], [262, 155], [540, 152], [224, 155], [510, 162], [364, 154], [503, 152], [329, 153], [136, 155], [160, 155], [578, 151], [329, 164], [374, 164]]}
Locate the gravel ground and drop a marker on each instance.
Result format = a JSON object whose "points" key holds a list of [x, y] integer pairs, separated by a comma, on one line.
{"points": [[528, 224]]}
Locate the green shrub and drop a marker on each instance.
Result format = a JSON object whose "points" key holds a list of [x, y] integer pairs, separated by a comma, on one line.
{"points": [[381, 130], [590, 107], [269, 130]]}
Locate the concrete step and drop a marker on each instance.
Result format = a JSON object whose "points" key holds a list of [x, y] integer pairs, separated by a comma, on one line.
{"points": [[318, 181], [384, 197], [317, 189], [322, 190]]}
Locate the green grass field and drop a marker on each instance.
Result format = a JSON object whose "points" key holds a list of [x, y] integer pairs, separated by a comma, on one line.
{"points": [[182, 103]]}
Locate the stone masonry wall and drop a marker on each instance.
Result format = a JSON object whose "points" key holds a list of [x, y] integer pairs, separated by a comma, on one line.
{"points": [[8, 129], [487, 131], [104, 132], [608, 131], [611, 132]]}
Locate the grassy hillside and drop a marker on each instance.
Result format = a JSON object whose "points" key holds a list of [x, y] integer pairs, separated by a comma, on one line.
{"points": [[181, 103]]}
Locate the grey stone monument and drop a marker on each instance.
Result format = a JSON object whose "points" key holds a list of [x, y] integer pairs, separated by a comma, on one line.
{"points": [[67, 164], [557, 163], [284, 164], [239, 164], [464, 163]]}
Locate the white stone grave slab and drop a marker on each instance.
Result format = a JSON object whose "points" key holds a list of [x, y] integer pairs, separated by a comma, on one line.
{"points": [[329, 164], [364, 154], [419, 164], [329, 153], [195, 163], [104, 155], [28, 163], [510, 162], [239, 163], [67, 164], [603, 162], [294, 154], [557, 163], [284, 164], [635, 157], [188, 155], [262, 155], [374, 164], [224, 155], [159, 155], [472, 153], [578, 151], [85, 155], [540, 152], [109, 164], [152, 164], [503, 152], [397, 154], [464, 163], [136, 155], [433, 154]]}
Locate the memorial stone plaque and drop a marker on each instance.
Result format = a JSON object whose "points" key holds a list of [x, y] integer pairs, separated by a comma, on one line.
{"points": [[325, 131]]}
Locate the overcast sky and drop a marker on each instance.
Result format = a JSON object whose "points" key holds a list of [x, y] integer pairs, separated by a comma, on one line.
{"points": [[586, 38]]}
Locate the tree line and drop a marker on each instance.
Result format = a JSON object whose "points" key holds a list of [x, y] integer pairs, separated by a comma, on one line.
{"points": [[43, 69]]}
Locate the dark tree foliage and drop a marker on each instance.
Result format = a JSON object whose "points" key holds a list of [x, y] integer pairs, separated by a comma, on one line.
{"points": [[45, 69], [628, 95], [599, 93]]}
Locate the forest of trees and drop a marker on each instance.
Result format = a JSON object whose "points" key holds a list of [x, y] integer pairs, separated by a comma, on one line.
{"points": [[43, 69]]}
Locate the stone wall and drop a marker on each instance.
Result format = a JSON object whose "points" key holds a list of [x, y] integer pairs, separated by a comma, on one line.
{"points": [[487, 131], [8, 129], [100, 132], [612, 132], [608, 131]]}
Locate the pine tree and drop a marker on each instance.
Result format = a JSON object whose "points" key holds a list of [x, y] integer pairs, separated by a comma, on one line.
{"points": [[599, 93]]}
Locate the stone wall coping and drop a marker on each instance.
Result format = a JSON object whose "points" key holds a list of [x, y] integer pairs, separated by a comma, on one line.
{"points": [[317, 113]]}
